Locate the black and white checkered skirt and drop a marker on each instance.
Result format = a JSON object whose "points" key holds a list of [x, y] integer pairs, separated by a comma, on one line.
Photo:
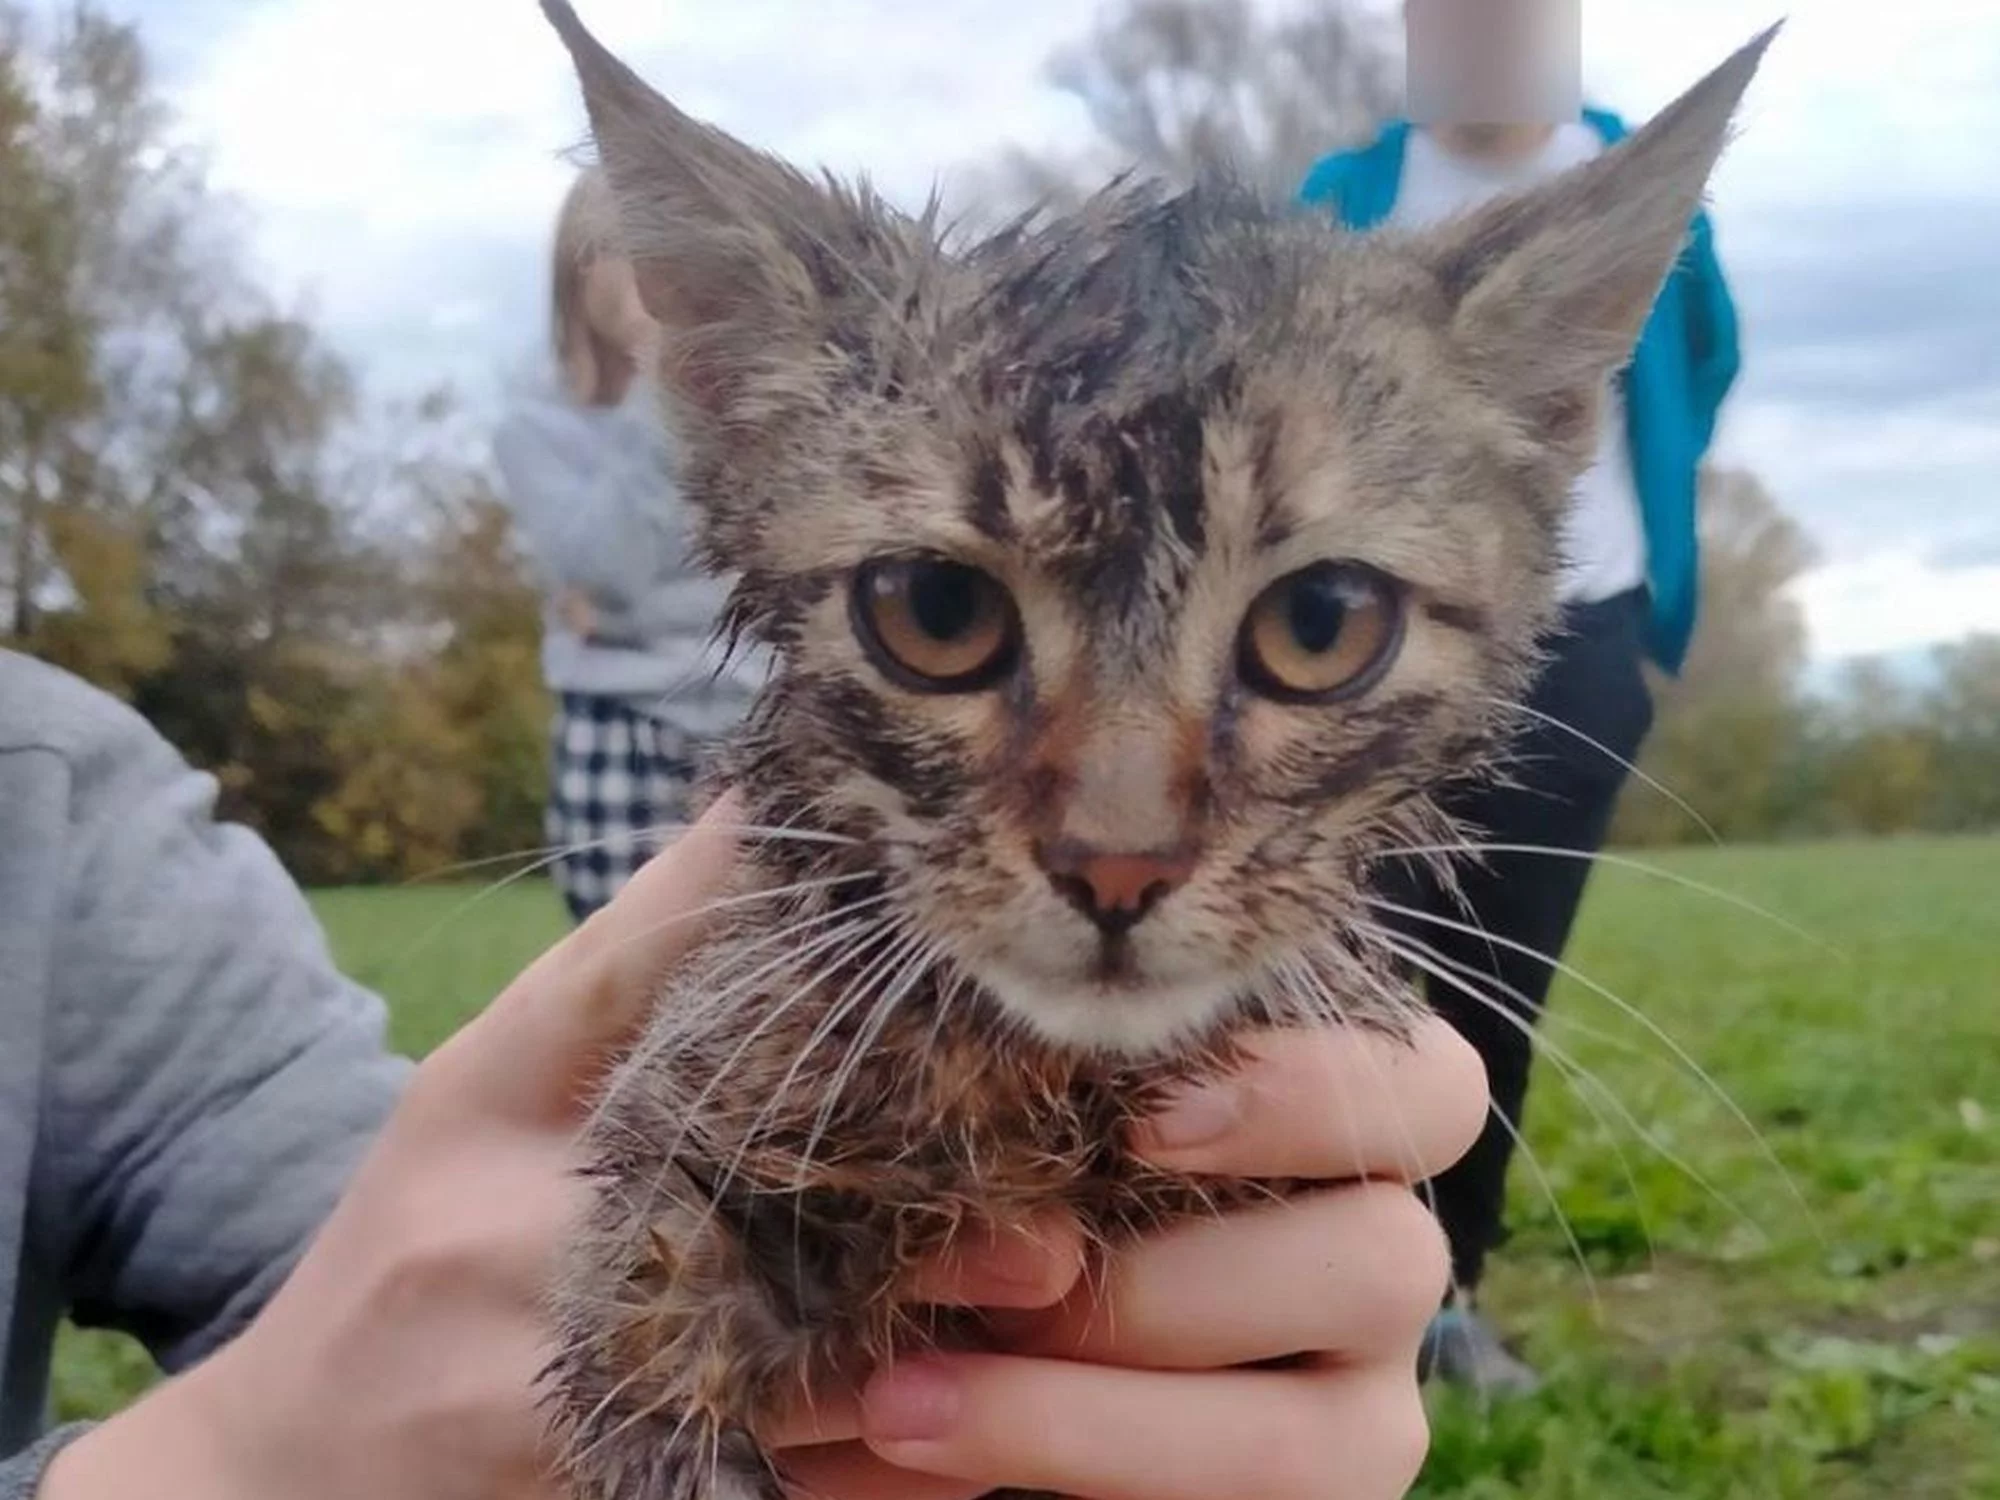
{"points": [[618, 775]]}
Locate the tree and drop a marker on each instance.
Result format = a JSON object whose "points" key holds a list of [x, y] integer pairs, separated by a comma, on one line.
{"points": [[150, 402], [47, 381], [113, 632], [1173, 87], [1877, 755], [275, 589], [1965, 707], [488, 675], [1727, 734], [464, 700], [1898, 755], [201, 514]]}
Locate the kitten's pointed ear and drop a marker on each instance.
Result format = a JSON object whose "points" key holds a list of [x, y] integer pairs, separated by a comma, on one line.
{"points": [[1550, 289], [719, 234]]}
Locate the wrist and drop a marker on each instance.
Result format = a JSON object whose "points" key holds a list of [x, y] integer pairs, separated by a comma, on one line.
{"points": [[176, 1440]]}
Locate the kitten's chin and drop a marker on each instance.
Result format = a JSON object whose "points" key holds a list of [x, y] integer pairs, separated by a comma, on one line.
{"points": [[1131, 1019]]}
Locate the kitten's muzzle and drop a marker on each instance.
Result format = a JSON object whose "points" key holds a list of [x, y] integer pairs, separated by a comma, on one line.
{"points": [[1115, 891]]}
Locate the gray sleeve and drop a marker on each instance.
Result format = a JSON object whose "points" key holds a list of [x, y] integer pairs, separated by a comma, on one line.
{"points": [[21, 1475], [213, 1080], [590, 513]]}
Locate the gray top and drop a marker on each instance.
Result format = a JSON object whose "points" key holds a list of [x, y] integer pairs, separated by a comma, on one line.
{"points": [[186, 1082], [593, 493]]}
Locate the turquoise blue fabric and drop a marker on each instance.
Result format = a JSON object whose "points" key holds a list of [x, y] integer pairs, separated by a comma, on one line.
{"points": [[1686, 361]]}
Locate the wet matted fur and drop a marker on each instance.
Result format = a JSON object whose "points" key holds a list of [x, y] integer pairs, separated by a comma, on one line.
{"points": [[1121, 434]]}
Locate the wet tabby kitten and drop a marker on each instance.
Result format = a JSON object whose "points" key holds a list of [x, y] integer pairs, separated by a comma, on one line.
{"points": [[1136, 580]]}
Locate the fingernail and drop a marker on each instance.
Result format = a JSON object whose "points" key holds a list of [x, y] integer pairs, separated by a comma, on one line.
{"points": [[1008, 1259], [910, 1403], [1195, 1118]]}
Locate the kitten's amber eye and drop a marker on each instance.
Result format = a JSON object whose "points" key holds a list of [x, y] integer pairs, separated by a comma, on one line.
{"points": [[936, 626], [1326, 632]]}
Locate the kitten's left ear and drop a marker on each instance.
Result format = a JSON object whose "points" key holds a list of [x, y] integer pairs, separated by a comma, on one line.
{"points": [[729, 244], [1549, 289]]}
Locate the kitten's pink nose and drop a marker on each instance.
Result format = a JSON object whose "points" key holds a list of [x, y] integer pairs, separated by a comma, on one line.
{"points": [[1115, 891]]}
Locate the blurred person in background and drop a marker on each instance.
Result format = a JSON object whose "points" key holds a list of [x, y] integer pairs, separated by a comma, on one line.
{"points": [[586, 464], [1496, 105]]}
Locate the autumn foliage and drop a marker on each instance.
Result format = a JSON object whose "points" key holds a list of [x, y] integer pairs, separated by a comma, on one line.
{"points": [[315, 598]]}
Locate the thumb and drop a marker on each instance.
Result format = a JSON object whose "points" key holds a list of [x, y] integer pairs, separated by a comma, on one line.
{"points": [[538, 1048]]}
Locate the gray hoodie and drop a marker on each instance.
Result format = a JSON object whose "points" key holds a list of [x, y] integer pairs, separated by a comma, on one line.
{"points": [[186, 1080], [592, 491]]}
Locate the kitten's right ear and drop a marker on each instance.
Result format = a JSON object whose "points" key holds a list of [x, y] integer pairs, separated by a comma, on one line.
{"points": [[721, 236]]}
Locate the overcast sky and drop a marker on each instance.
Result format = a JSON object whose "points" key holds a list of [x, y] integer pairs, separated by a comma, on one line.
{"points": [[400, 162]]}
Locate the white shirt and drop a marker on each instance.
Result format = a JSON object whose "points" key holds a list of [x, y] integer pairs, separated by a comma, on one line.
{"points": [[1605, 538]]}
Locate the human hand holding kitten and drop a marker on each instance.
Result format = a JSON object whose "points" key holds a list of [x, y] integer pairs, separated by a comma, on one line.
{"points": [[1151, 1377], [400, 1360]]}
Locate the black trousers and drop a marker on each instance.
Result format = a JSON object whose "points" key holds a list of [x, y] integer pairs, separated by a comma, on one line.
{"points": [[1564, 800]]}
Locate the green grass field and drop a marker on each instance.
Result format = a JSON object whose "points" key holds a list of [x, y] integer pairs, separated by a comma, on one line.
{"points": [[1814, 1316]]}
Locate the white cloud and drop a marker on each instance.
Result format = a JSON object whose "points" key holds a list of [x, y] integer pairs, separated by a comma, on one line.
{"points": [[1931, 472], [378, 142], [401, 117], [1896, 601], [415, 118]]}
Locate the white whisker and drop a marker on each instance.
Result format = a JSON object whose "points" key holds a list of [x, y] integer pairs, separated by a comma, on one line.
{"points": [[749, 898], [733, 978], [878, 974], [913, 973], [806, 990], [1616, 759], [849, 928], [1572, 1070], [1622, 862], [480, 898], [1547, 1186], [1666, 1038], [625, 838], [902, 942], [1425, 1189]]}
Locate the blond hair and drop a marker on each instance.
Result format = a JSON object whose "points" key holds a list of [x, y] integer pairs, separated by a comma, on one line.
{"points": [[586, 232]]}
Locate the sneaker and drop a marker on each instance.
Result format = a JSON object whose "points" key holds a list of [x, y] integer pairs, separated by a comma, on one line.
{"points": [[1461, 1349]]}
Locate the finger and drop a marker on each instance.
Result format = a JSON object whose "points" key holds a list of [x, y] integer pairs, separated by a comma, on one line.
{"points": [[541, 1044], [1354, 1273], [1032, 1265], [1330, 1104], [1029, 1266], [1118, 1434], [656, 915], [848, 1471]]}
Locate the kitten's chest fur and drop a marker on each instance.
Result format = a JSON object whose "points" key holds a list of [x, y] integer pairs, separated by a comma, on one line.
{"points": [[810, 1116], [847, 1115]]}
